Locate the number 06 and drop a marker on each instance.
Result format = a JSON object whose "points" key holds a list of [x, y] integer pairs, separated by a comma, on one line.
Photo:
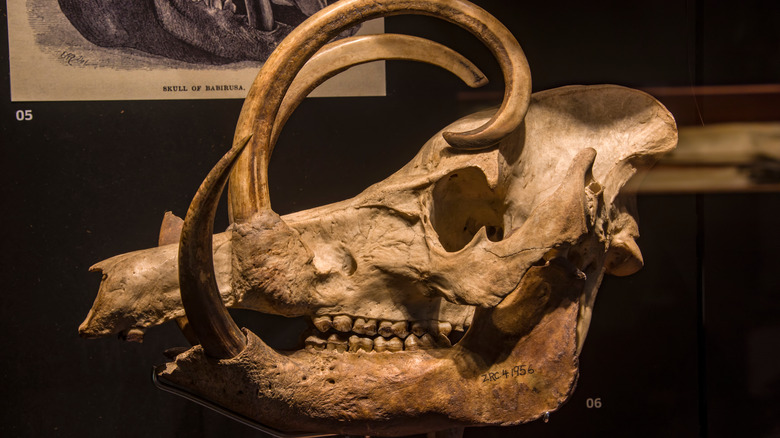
{"points": [[593, 403]]}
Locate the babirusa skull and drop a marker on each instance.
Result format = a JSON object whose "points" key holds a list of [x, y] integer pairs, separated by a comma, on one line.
{"points": [[457, 292]]}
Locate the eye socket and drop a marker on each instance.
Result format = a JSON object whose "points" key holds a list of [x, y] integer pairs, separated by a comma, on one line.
{"points": [[462, 204]]}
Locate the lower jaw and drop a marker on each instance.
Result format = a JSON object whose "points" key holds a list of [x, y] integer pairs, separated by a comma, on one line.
{"points": [[490, 377]]}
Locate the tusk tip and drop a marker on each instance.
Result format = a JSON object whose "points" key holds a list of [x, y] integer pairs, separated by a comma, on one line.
{"points": [[468, 142]]}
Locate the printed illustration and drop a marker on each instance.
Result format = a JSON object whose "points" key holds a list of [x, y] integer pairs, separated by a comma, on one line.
{"points": [[159, 49], [201, 31]]}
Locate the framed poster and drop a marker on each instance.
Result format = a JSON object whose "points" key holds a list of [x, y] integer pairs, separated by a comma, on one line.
{"points": [[108, 50]]}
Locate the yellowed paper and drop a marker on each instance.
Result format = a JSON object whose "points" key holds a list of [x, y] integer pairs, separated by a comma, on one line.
{"points": [[51, 60]]}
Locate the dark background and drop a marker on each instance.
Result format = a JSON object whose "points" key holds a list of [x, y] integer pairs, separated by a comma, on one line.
{"points": [[687, 347]]}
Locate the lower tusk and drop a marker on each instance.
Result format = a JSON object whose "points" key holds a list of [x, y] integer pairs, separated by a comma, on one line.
{"points": [[213, 326], [259, 14]]}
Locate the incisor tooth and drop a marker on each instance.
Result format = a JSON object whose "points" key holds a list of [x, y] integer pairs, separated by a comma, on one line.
{"points": [[135, 335], [342, 323], [395, 344], [323, 323]]}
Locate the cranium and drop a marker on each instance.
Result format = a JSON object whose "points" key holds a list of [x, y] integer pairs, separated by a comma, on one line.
{"points": [[501, 227], [203, 31]]}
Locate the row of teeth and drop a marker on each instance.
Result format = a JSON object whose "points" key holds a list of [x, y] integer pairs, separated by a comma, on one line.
{"points": [[355, 343], [371, 327], [378, 336]]}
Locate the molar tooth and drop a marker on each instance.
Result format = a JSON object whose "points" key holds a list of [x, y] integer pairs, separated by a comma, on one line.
{"points": [[400, 329], [323, 323], [342, 323], [395, 344], [385, 328], [412, 343], [364, 327], [337, 342], [419, 328], [445, 328], [315, 343], [380, 344], [426, 342], [370, 327], [356, 343]]}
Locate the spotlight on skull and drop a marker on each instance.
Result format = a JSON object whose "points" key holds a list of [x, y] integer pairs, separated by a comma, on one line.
{"points": [[457, 292]]}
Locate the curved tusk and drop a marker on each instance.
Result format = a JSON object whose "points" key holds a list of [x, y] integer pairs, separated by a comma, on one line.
{"points": [[249, 184], [209, 319], [259, 14], [343, 54], [170, 233]]}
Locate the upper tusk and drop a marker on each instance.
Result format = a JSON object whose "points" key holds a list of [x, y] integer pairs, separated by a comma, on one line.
{"points": [[249, 187], [343, 54], [214, 328]]}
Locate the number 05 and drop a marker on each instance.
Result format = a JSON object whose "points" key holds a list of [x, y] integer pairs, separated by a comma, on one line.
{"points": [[24, 115]]}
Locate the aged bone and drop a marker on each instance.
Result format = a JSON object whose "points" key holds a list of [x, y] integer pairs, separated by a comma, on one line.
{"points": [[459, 383], [338, 56], [206, 314], [250, 194], [508, 243]]}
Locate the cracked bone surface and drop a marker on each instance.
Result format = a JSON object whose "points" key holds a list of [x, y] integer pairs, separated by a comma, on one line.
{"points": [[457, 292]]}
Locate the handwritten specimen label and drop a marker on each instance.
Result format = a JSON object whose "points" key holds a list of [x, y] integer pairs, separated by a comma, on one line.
{"points": [[507, 373]]}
